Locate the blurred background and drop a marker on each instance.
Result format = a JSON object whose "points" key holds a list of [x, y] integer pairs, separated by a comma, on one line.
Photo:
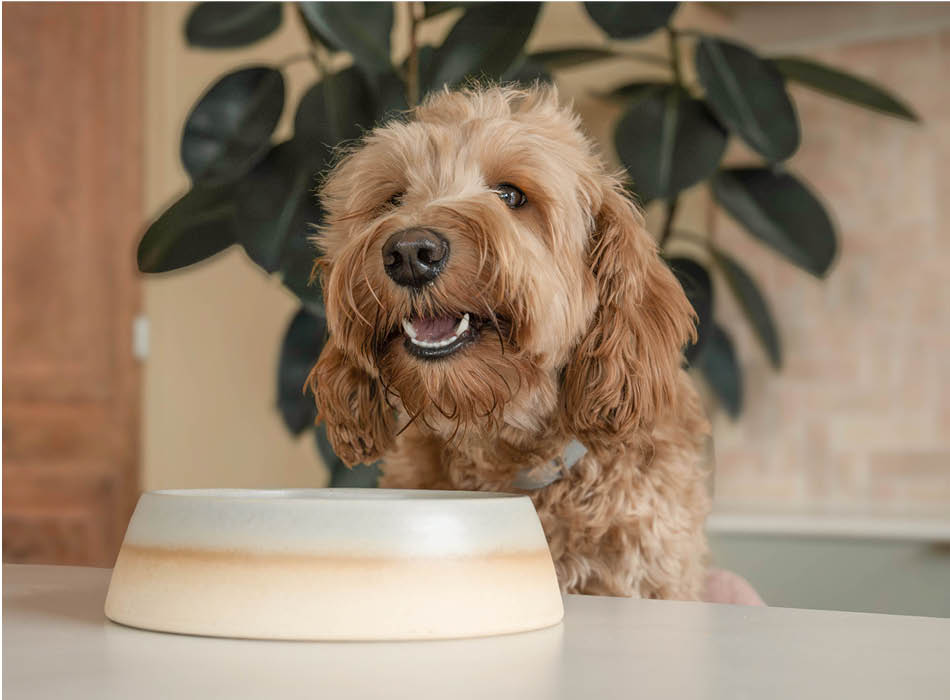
{"points": [[831, 480]]}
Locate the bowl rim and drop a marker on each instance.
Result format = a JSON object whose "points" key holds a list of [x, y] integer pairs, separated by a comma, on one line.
{"points": [[331, 495]]}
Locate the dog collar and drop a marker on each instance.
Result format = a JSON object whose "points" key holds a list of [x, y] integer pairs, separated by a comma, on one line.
{"points": [[534, 478]]}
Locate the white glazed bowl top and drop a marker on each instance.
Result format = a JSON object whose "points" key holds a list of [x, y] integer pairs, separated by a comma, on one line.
{"points": [[349, 564], [357, 522]]}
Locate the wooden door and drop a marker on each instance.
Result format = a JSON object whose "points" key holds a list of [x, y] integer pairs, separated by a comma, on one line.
{"points": [[72, 211]]}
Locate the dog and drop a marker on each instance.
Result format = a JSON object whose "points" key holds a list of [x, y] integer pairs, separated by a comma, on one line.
{"points": [[501, 320]]}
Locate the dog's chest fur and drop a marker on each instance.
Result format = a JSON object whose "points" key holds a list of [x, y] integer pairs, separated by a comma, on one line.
{"points": [[626, 523]]}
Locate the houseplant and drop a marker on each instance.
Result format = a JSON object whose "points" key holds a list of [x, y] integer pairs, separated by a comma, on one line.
{"points": [[249, 191]]}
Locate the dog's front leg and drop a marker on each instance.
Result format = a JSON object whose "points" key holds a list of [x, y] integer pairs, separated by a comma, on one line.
{"points": [[359, 420], [416, 462]]}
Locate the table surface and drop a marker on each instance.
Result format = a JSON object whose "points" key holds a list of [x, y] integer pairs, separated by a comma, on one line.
{"points": [[57, 643]]}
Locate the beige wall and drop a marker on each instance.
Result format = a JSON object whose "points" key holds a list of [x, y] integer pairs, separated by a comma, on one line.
{"points": [[859, 415], [856, 417], [209, 414]]}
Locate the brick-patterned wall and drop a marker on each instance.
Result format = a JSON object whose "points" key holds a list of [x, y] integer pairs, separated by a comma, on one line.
{"points": [[860, 413]]}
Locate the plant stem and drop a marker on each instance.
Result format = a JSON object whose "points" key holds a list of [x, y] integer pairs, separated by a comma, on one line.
{"points": [[412, 79], [668, 224], [659, 61], [711, 216], [675, 55], [317, 53], [673, 204]]}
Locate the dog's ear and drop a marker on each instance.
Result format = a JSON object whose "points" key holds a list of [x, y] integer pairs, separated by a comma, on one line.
{"points": [[624, 372], [360, 423]]}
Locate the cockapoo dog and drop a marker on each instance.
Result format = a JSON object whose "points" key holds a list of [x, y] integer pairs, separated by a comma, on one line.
{"points": [[500, 320]]}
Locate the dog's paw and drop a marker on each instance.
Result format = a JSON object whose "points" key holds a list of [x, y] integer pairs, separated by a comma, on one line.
{"points": [[352, 445]]}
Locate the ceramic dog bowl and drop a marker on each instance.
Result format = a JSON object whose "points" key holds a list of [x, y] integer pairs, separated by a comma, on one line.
{"points": [[334, 564]]}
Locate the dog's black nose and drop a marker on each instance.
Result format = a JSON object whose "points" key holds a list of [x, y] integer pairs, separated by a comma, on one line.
{"points": [[415, 256]]}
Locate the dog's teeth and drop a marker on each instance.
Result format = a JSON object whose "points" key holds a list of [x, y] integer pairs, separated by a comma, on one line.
{"points": [[434, 343], [461, 328]]}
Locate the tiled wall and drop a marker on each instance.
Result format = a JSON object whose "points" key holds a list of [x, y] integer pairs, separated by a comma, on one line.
{"points": [[860, 414]]}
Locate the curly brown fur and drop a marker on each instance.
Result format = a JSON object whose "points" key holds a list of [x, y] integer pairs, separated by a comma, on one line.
{"points": [[580, 330]]}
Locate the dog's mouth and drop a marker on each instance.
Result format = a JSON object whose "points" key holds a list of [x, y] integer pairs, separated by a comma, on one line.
{"points": [[438, 337]]}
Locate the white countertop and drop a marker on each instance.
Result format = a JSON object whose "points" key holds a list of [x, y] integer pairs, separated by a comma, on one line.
{"points": [[58, 644]]}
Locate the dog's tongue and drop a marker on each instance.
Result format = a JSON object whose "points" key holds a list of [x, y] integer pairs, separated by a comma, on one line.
{"points": [[432, 329]]}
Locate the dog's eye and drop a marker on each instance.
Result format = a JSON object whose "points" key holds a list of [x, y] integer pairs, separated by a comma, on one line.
{"points": [[395, 200], [510, 195]]}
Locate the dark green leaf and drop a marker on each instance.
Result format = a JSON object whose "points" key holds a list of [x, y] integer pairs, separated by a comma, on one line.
{"points": [[338, 108], [426, 69], [361, 28], [753, 303], [697, 285], [720, 368], [324, 448], [634, 92], [341, 476], [779, 210], [433, 9], [276, 202], [361, 476], [526, 72], [570, 57], [229, 129], [389, 96], [299, 351], [748, 95], [668, 141], [298, 257], [225, 25], [195, 227], [628, 20], [484, 42], [297, 271], [845, 86]]}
